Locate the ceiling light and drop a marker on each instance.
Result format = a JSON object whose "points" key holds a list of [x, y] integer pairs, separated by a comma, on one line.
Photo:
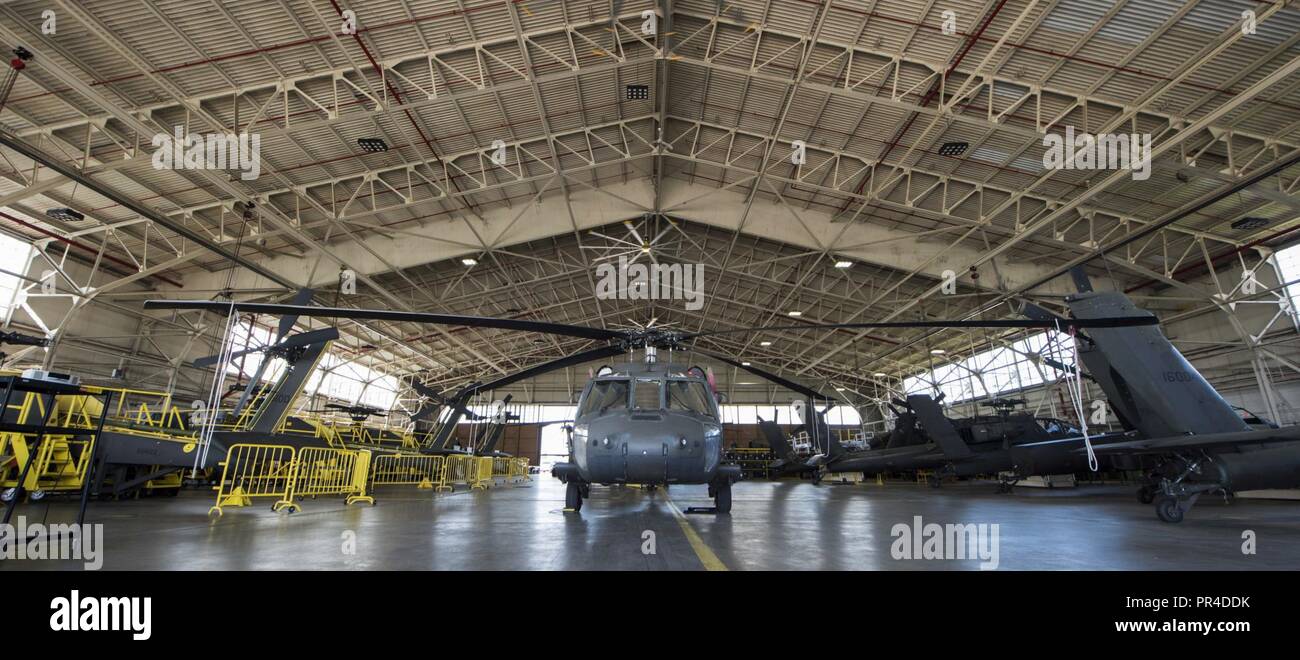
{"points": [[764, 343], [795, 313], [1250, 223], [880, 374], [744, 364], [637, 92], [65, 214], [839, 389], [937, 351], [953, 148], [372, 145], [469, 261], [843, 263], [645, 249]]}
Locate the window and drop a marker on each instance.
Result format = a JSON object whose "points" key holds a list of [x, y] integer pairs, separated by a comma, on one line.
{"points": [[527, 413], [647, 393], [245, 337], [605, 395], [14, 254], [997, 370], [351, 381], [1288, 263], [785, 415], [690, 396], [335, 377]]}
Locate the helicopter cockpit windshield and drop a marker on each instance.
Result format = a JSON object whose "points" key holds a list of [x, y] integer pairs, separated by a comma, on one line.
{"points": [[690, 396], [646, 394], [605, 395]]}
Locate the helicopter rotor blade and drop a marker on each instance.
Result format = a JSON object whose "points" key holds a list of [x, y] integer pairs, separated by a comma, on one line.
{"points": [[598, 353], [783, 382], [302, 297], [1042, 323], [545, 327]]}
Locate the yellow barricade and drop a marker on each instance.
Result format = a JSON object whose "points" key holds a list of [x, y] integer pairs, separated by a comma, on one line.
{"points": [[252, 470], [481, 472], [393, 469], [518, 471], [458, 470], [329, 471], [501, 466]]}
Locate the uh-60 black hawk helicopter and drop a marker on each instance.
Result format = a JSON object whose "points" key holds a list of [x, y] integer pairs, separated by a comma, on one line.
{"points": [[644, 423]]}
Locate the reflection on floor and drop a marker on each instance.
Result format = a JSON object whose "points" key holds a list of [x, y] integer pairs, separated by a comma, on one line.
{"points": [[773, 525]]}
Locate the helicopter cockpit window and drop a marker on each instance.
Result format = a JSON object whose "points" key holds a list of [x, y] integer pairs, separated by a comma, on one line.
{"points": [[605, 395], [1058, 426], [646, 394], [689, 395]]}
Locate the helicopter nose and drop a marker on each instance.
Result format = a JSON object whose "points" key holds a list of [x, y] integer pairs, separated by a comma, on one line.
{"points": [[647, 461]]}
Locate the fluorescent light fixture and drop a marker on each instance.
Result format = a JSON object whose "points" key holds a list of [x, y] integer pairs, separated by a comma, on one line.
{"points": [[880, 374], [937, 351], [65, 214], [744, 364], [372, 145], [469, 261], [764, 343], [1250, 223], [839, 389], [795, 313], [843, 263], [953, 148]]}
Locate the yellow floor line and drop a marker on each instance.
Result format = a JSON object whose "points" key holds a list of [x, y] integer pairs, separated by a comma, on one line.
{"points": [[702, 550]]}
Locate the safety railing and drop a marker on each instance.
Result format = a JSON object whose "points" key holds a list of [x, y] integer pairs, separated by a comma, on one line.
{"points": [[501, 466], [329, 471], [459, 470], [396, 469], [280, 471], [252, 470], [481, 472], [518, 470]]}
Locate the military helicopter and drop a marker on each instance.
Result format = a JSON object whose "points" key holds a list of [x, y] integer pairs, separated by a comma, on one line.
{"points": [[357, 413], [1183, 434], [638, 423]]}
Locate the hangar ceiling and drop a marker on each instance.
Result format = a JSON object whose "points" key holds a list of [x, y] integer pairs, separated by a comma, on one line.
{"points": [[873, 89]]}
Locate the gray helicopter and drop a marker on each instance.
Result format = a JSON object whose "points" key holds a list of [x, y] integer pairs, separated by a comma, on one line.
{"points": [[648, 423], [1182, 433]]}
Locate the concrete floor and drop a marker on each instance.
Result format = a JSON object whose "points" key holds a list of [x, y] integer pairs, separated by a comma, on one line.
{"points": [[773, 525]]}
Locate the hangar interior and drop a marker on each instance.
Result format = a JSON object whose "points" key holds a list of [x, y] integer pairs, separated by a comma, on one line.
{"points": [[814, 161]]}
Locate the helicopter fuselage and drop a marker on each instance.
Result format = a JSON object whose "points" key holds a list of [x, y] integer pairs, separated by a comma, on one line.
{"points": [[646, 424]]}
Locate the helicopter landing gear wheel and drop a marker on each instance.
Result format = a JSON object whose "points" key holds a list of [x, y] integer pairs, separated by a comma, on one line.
{"points": [[1146, 494], [36, 496], [722, 500], [573, 497], [8, 494], [1169, 509]]}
